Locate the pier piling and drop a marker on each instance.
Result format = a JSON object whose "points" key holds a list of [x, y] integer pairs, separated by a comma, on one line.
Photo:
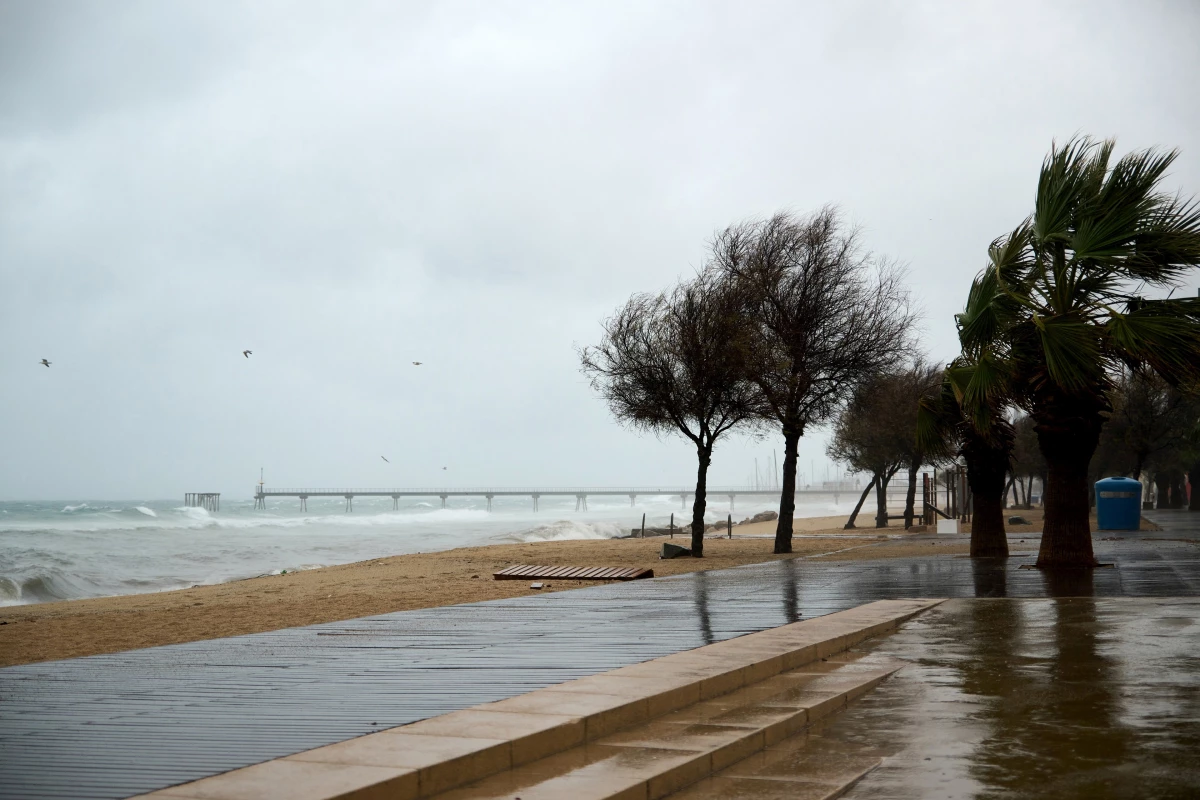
{"points": [[209, 501]]}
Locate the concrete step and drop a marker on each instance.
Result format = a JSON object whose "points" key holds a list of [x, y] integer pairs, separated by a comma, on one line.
{"points": [[654, 759], [565, 728]]}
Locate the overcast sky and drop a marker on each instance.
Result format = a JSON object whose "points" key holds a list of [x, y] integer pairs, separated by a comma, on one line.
{"points": [[348, 187]]}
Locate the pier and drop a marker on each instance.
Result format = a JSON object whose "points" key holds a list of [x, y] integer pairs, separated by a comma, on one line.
{"points": [[581, 494], [209, 501]]}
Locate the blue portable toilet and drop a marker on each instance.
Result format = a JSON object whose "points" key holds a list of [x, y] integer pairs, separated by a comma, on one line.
{"points": [[1118, 504]]}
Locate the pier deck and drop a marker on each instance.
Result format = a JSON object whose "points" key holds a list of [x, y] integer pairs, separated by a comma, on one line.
{"points": [[580, 493]]}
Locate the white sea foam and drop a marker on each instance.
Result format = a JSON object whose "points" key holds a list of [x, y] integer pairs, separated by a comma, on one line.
{"points": [[148, 512], [564, 530]]}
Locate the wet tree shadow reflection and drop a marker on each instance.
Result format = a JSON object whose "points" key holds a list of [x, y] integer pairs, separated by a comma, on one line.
{"points": [[700, 598], [1049, 698], [990, 576], [791, 592]]}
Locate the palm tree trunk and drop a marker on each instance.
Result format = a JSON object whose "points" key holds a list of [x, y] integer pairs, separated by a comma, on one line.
{"points": [[704, 456], [787, 498], [911, 500], [861, 499], [1068, 430], [987, 466]]}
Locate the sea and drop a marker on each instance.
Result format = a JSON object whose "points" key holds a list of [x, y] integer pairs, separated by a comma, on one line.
{"points": [[96, 548]]}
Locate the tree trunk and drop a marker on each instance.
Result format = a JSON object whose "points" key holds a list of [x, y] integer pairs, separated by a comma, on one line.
{"points": [[987, 466], [881, 509], [911, 500], [704, 456], [1178, 492], [862, 499], [1194, 480], [1068, 430], [1162, 490], [787, 498]]}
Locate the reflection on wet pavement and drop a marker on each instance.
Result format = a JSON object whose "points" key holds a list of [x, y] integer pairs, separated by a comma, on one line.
{"points": [[1066, 698]]}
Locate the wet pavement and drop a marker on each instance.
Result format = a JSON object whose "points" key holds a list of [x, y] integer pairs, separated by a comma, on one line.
{"points": [[1067, 698], [114, 725]]}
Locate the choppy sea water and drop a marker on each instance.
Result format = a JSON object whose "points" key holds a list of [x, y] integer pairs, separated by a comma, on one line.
{"points": [[73, 549]]}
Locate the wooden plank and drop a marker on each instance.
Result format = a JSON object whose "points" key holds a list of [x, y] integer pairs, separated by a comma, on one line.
{"points": [[542, 572], [639, 574]]}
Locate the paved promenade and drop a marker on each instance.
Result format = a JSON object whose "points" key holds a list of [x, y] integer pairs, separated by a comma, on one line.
{"points": [[116, 725]]}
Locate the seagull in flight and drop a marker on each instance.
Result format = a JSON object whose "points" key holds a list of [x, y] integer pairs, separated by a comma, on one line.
{"points": [[385, 459], [443, 467], [418, 363], [247, 353], [45, 363]]}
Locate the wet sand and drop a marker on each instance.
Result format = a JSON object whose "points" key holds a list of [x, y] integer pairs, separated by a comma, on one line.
{"points": [[110, 624]]}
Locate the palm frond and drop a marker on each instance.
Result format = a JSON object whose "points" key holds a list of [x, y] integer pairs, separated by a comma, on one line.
{"points": [[1153, 335], [1071, 351]]}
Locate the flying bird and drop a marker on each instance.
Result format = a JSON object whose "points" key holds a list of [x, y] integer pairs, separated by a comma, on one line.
{"points": [[247, 353], [418, 363], [443, 467], [44, 363], [385, 459]]}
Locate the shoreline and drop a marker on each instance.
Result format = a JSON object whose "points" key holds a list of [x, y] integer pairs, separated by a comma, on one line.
{"points": [[92, 626]]}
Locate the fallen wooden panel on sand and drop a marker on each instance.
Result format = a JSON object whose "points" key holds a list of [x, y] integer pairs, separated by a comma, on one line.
{"points": [[520, 572]]}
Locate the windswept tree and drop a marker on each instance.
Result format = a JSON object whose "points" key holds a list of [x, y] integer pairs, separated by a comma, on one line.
{"points": [[675, 363], [822, 315], [1059, 312], [877, 432]]}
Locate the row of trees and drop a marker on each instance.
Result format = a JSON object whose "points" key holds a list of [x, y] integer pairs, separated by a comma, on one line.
{"points": [[1055, 323], [1153, 432], [790, 324], [784, 320]]}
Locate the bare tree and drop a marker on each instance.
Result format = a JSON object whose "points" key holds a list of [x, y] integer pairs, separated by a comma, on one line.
{"points": [[823, 315], [675, 363]]}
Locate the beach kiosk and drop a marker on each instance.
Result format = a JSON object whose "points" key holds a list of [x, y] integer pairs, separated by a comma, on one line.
{"points": [[1118, 504]]}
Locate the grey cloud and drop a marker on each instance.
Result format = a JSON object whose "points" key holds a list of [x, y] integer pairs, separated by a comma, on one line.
{"points": [[345, 188]]}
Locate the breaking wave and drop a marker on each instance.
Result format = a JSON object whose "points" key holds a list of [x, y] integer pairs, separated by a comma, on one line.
{"points": [[564, 530]]}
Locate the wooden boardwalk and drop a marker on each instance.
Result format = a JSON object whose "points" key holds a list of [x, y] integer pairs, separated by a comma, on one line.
{"points": [[117, 725]]}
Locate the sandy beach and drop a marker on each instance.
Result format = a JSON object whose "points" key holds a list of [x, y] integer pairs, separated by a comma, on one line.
{"points": [[67, 629]]}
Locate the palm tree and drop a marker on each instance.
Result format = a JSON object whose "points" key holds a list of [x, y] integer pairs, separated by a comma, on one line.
{"points": [[1057, 313], [985, 442]]}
